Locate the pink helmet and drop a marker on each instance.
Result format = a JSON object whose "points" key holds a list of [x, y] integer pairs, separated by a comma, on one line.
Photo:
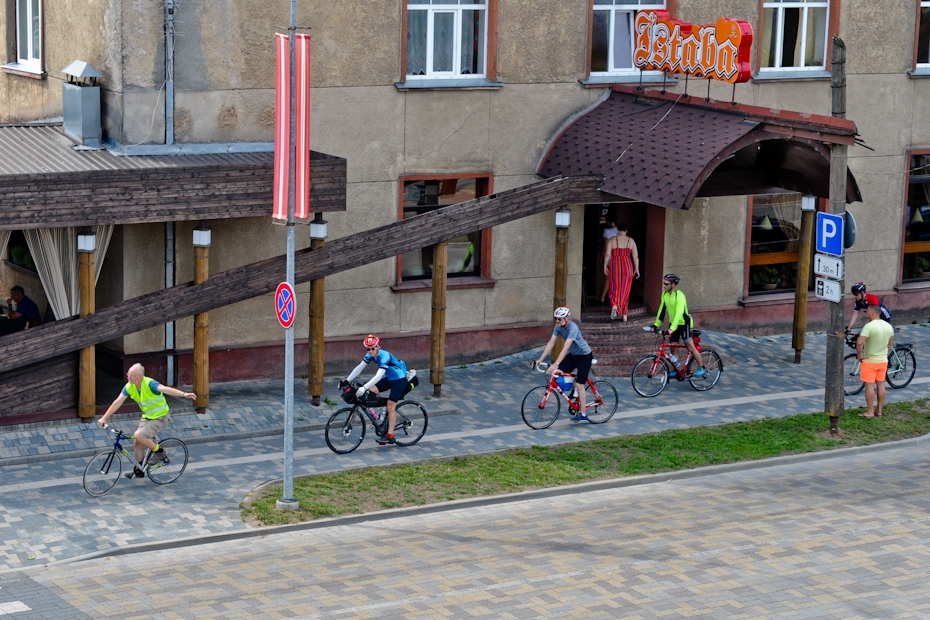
{"points": [[372, 341]]}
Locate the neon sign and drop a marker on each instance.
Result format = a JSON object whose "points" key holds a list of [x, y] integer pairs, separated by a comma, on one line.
{"points": [[714, 51]]}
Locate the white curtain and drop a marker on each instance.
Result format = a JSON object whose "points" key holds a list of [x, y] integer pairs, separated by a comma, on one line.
{"points": [[4, 239], [54, 251]]}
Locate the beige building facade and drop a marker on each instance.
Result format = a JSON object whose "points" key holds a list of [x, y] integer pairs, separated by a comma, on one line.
{"points": [[411, 119]]}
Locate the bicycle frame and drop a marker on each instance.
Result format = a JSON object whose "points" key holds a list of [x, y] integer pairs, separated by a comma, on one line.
{"points": [[118, 447], [663, 353], [573, 404]]}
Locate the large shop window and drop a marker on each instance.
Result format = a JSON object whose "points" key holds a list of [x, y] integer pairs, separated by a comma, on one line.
{"points": [[774, 240], [794, 34], [612, 36], [923, 35], [447, 39], [916, 263], [467, 257]]}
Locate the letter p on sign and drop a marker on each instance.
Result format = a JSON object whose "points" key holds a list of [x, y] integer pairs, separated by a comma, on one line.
{"points": [[829, 234]]}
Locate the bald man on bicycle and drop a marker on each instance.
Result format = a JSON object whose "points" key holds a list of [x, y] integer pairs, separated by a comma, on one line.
{"points": [[575, 354]]}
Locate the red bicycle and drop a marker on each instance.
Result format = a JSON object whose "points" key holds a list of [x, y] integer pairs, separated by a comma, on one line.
{"points": [[650, 375], [541, 407]]}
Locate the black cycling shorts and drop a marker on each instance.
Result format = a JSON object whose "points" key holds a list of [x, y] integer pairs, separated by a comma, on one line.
{"points": [[581, 362], [398, 388], [682, 332]]}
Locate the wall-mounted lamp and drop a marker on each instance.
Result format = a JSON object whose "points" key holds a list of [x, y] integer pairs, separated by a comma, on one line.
{"points": [[87, 242], [563, 218], [808, 203], [202, 237], [317, 229]]}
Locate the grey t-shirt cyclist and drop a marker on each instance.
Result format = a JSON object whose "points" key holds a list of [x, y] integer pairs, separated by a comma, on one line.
{"points": [[571, 332]]}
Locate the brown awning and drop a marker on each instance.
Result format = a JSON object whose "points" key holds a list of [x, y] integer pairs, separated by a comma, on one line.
{"points": [[667, 149], [45, 182]]}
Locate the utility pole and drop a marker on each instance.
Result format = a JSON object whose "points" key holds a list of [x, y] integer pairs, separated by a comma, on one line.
{"points": [[287, 501], [834, 404]]}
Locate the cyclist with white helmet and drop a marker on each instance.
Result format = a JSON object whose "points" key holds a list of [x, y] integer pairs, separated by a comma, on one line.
{"points": [[680, 323], [576, 354], [392, 375]]}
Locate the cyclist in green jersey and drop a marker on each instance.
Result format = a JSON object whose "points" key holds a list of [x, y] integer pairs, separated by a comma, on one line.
{"points": [[680, 322]]}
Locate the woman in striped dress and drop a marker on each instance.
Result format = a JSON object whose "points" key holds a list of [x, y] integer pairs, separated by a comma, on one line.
{"points": [[621, 265]]}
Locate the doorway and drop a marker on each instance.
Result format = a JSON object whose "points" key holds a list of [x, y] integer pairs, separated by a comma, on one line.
{"points": [[596, 218]]}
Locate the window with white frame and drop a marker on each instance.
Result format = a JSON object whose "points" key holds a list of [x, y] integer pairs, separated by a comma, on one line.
{"points": [[794, 34], [446, 38], [28, 20], [612, 38], [923, 35]]}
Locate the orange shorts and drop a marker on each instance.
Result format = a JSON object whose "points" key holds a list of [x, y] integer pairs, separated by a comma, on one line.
{"points": [[873, 372]]}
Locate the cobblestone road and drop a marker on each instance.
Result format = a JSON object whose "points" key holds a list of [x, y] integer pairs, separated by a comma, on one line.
{"points": [[842, 538]]}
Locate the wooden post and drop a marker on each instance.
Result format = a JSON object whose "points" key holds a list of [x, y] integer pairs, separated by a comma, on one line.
{"points": [[833, 396], [560, 286], [315, 338], [201, 334], [437, 335], [87, 396], [800, 290]]}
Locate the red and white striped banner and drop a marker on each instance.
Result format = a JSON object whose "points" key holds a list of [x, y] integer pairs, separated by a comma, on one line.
{"points": [[282, 128]]}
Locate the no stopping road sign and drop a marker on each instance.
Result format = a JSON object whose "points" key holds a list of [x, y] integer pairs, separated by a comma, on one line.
{"points": [[285, 304]]}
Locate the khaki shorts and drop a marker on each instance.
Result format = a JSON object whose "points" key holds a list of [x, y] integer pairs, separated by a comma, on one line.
{"points": [[150, 428]]}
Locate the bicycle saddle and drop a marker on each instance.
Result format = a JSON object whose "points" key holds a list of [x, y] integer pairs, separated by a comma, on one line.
{"points": [[695, 332]]}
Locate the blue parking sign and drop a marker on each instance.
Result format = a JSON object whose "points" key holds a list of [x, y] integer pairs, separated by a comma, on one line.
{"points": [[829, 234]]}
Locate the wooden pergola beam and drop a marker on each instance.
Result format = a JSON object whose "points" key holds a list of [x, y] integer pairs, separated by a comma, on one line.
{"points": [[133, 315]]}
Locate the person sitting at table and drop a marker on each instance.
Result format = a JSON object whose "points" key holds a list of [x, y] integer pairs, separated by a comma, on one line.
{"points": [[26, 312]]}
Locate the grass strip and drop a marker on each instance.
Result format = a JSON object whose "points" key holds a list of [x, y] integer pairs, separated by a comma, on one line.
{"points": [[377, 488]]}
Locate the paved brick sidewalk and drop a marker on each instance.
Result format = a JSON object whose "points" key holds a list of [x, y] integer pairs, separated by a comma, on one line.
{"points": [[46, 516], [841, 538], [255, 408]]}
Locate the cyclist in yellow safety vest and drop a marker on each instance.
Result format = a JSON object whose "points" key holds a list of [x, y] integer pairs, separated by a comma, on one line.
{"points": [[150, 395], [680, 322]]}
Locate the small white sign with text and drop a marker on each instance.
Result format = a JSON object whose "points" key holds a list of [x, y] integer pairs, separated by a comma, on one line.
{"points": [[828, 266], [828, 289]]}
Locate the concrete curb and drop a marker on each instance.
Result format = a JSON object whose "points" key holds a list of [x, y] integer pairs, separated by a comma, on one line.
{"points": [[266, 432], [586, 487]]}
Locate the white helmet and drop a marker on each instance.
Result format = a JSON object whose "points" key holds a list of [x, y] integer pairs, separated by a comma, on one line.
{"points": [[562, 312]]}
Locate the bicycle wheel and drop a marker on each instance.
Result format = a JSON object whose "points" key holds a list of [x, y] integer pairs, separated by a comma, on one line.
{"points": [[411, 423], [600, 412], [102, 473], [345, 430], [540, 407], [174, 464], [901, 371], [646, 382], [713, 365], [852, 384]]}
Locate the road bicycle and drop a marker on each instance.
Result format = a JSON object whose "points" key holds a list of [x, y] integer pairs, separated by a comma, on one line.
{"points": [[105, 467], [345, 429], [541, 408], [902, 364], [650, 374]]}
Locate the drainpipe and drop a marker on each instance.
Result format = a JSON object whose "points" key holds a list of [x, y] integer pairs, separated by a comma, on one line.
{"points": [[171, 377], [169, 71]]}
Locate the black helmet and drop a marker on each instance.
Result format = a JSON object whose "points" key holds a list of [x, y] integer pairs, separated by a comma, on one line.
{"points": [[858, 287], [671, 277]]}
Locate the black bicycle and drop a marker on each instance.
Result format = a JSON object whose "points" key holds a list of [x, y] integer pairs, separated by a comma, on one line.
{"points": [[345, 429]]}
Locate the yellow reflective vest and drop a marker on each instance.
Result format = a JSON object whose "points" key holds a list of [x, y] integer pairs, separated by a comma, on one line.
{"points": [[153, 405]]}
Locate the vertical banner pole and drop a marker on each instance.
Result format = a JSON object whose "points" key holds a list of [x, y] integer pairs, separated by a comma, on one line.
{"points": [[287, 501]]}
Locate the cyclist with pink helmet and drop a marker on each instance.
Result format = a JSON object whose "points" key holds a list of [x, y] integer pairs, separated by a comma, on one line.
{"points": [[392, 375], [576, 354]]}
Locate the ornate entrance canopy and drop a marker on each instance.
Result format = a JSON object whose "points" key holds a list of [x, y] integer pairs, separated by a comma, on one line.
{"points": [[668, 149]]}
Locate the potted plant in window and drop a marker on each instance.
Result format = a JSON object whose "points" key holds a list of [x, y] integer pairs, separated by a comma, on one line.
{"points": [[765, 277], [922, 267]]}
